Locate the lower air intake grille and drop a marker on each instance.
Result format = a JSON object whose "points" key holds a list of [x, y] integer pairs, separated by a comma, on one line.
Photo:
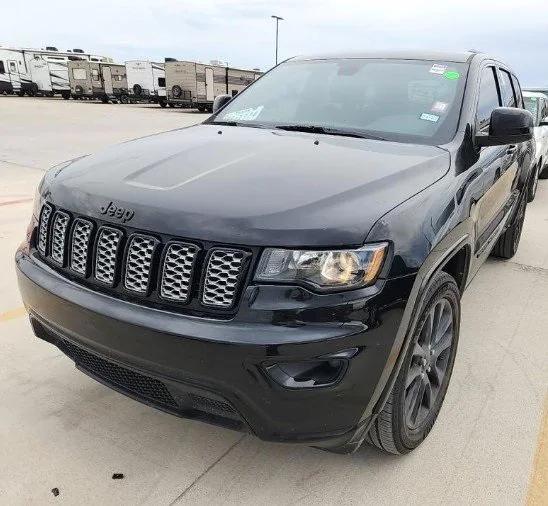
{"points": [[106, 255], [59, 235], [81, 235], [43, 228], [223, 275], [138, 263], [126, 379]]}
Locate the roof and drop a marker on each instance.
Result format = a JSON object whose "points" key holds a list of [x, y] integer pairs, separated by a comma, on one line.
{"points": [[457, 57]]}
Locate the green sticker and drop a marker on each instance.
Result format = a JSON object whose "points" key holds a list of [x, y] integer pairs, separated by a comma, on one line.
{"points": [[451, 74]]}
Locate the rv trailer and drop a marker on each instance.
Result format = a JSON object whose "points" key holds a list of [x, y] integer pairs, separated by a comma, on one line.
{"points": [[146, 82], [96, 80], [14, 73], [191, 84], [39, 71]]}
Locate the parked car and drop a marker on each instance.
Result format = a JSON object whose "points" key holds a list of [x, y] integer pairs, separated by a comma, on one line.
{"points": [[292, 267], [537, 104]]}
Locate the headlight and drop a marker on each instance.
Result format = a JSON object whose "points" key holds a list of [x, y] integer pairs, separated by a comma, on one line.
{"points": [[323, 270]]}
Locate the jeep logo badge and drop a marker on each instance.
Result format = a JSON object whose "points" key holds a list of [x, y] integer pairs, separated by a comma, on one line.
{"points": [[111, 209]]}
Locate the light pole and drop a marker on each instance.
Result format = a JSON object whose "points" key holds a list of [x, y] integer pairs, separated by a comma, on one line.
{"points": [[278, 19]]}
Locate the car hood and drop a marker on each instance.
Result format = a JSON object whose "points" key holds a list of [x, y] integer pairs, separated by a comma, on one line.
{"points": [[249, 186]]}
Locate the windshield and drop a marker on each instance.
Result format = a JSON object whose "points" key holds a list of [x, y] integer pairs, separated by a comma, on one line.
{"points": [[531, 104], [401, 100]]}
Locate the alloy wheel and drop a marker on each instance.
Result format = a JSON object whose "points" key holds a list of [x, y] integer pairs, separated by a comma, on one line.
{"points": [[428, 364]]}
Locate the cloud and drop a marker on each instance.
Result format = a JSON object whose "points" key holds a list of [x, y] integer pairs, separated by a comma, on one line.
{"points": [[242, 32]]}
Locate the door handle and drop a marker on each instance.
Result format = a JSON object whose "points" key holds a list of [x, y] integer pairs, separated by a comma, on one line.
{"points": [[511, 149]]}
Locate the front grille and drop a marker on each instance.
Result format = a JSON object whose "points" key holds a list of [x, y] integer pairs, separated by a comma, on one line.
{"points": [[222, 277], [106, 255], [139, 262], [43, 228], [81, 236], [177, 272], [156, 270], [59, 235]]}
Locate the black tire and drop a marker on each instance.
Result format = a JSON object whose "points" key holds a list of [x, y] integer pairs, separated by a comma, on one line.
{"points": [[105, 99], [163, 104], [533, 184], [171, 105], [124, 99], [137, 89], [394, 430], [65, 95], [507, 244]]}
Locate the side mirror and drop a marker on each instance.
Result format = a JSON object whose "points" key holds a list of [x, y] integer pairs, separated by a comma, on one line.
{"points": [[508, 126], [544, 122], [220, 101]]}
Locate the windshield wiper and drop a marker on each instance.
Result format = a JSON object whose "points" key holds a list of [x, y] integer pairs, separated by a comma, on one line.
{"points": [[237, 123], [316, 129]]}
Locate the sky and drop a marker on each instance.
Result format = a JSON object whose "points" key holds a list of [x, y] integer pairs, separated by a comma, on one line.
{"points": [[242, 32]]}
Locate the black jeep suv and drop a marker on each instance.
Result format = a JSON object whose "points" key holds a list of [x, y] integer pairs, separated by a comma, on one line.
{"points": [[293, 266]]}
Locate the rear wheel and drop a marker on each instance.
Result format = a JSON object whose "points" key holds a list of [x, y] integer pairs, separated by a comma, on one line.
{"points": [[507, 244], [124, 99], [421, 385]]}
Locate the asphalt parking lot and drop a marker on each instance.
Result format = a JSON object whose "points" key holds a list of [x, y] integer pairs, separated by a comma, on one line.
{"points": [[60, 429]]}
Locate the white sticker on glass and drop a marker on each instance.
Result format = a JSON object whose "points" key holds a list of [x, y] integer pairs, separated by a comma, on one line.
{"points": [[438, 69], [430, 117], [244, 114]]}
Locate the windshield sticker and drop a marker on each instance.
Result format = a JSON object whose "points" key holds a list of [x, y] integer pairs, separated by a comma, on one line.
{"points": [[430, 117], [439, 107], [533, 99], [244, 114], [451, 75], [438, 69]]}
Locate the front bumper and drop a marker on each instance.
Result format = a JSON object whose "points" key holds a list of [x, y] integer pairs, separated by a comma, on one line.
{"points": [[223, 363]]}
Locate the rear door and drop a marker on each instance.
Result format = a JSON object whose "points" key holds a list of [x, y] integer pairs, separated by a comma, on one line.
{"points": [[493, 162]]}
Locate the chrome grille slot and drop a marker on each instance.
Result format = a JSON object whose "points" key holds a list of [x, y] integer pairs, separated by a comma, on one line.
{"points": [[177, 271], [59, 236], [138, 263], [43, 228], [81, 235], [224, 271], [106, 255]]}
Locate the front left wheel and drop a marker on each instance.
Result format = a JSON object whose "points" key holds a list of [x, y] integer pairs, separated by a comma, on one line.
{"points": [[418, 393]]}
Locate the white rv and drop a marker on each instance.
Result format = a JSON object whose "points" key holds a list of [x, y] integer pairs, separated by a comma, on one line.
{"points": [[146, 82], [39, 71], [14, 73], [191, 84]]}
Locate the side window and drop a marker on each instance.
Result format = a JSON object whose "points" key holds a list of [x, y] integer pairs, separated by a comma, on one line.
{"points": [[506, 90], [517, 90], [488, 99], [95, 74], [13, 68], [79, 74], [2, 69], [162, 82]]}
